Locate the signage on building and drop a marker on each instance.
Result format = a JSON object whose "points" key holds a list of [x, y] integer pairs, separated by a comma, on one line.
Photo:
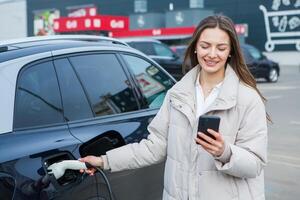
{"points": [[186, 31], [146, 21], [179, 17], [91, 23], [83, 12], [140, 21], [44, 21], [241, 29], [282, 24]]}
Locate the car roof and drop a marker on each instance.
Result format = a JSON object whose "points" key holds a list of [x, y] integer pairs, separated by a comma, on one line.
{"points": [[28, 46], [90, 38]]}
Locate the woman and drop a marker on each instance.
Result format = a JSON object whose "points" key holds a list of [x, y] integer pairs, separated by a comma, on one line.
{"points": [[229, 167]]}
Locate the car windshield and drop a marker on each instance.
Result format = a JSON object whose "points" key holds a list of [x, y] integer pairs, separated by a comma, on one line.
{"points": [[145, 47], [161, 50], [254, 52]]}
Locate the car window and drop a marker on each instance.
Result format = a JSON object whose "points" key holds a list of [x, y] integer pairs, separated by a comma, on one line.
{"points": [[247, 56], [162, 50], [152, 81], [38, 100], [106, 84], [255, 53], [145, 47], [75, 103]]}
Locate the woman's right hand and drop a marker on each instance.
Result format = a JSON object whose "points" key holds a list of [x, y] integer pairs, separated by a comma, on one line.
{"points": [[94, 161]]}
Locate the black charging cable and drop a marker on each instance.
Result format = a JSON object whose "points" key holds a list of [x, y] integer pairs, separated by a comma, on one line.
{"points": [[88, 165], [106, 181], [58, 170]]}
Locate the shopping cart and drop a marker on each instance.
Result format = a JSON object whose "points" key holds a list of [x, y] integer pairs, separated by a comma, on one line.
{"points": [[283, 35]]}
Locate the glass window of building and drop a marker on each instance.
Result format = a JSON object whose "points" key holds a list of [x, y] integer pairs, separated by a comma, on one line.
{"points": [[196, 3], [140, 6]]}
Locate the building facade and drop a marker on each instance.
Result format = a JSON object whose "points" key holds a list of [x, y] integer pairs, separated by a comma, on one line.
{"points": [[272, 25], [13, 21]]}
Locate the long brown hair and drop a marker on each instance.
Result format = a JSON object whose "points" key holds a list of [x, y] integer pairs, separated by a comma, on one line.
{"points": [[236, 60]]}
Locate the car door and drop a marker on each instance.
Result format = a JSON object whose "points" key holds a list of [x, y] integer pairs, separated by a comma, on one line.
{"points": [[40, 137], [119, 118], [153, 84], [77, 109]]}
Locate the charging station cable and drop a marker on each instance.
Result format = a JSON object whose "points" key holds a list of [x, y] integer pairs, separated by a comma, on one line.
{"points": [[58, 170]]}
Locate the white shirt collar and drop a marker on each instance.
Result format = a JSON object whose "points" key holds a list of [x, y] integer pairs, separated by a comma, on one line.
{"points": [[203, 104]]}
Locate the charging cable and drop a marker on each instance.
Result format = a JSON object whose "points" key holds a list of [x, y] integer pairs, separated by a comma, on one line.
{"points": [[58, 170]]}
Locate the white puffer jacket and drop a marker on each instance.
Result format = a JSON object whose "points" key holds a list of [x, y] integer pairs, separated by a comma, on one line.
{"points": [[190, 172]]}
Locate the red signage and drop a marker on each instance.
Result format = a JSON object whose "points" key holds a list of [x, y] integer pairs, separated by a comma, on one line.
{"points": [[83, 12], [241, 29], [154, 32], [92, 23], [118, 27]]}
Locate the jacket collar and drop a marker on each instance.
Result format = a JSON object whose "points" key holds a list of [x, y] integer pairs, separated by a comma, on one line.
{"points": [[227, 97], [184, 90]]}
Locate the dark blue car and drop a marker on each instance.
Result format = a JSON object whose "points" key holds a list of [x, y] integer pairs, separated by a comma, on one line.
{"points": [[259, 65], [66, 97]]}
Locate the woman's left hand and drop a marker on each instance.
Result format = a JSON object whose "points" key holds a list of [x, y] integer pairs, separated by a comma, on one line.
{"points": [[215, 147]]}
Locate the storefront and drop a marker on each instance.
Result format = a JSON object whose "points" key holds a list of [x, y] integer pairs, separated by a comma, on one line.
{"points": [[272, 25]]}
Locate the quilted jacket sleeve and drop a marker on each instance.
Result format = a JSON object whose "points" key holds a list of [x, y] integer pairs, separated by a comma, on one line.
{"points": [[148, 151], [247, 157]]}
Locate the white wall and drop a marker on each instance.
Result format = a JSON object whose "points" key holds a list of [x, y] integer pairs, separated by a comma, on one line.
{"points": [[13, 19]]}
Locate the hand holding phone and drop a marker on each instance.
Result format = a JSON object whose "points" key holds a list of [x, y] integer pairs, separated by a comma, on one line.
{"points": [[208, 122]]}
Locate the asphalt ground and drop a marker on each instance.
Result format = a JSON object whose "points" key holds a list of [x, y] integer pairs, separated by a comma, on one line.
{"points": [[282, 174]]}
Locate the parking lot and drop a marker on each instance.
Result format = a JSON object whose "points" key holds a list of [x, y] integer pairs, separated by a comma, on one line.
{"points": [[282, 173]]}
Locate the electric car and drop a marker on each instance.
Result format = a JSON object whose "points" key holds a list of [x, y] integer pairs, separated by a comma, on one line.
{"points": [[66, 97]]}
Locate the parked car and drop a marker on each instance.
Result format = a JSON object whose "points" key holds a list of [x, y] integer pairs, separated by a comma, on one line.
{"points": [[159, 52], [63, 98], [179, 50], [259, 65]]}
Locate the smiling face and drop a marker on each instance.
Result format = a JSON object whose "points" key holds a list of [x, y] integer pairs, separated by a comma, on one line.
{"points": [[213, 48]]}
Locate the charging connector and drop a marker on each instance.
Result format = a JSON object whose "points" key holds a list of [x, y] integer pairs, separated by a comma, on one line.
{"points": [[58, 170]]}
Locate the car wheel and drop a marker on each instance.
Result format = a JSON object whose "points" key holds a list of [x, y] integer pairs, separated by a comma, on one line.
{"points": [[272, 76]]}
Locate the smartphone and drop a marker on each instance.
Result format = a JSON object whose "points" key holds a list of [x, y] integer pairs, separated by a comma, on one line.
{"points": [[208, 121]]}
